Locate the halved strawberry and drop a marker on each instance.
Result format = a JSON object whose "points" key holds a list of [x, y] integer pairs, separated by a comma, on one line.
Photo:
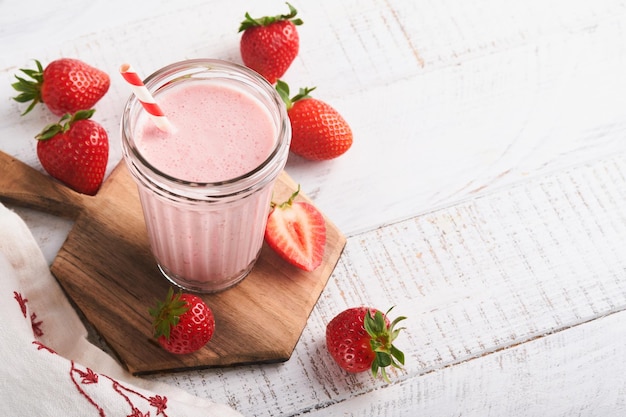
{"points": [[297, 232]]}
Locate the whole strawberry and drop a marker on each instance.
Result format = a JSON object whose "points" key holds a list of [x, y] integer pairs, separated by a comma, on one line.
{"points": [[75, 151], [65, 86], [361, 338], [296, 230], [270, 44], [182, 323], [318, 131]]}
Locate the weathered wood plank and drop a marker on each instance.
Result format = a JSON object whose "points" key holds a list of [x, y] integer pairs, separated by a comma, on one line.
{"points": [[487, 275], [490, 106], [570, 373]]}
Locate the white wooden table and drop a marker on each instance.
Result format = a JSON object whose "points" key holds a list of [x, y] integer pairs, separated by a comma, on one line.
{"points": [[483, 195]]}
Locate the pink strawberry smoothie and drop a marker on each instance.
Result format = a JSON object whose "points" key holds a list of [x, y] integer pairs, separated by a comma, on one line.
{"points": [[220, 132]]}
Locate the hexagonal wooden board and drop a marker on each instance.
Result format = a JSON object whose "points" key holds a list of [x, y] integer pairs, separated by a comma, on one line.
{"points": [[106, 268]]}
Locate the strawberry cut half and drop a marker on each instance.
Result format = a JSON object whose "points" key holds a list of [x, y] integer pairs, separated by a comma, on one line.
{"points": [[296, 230]]}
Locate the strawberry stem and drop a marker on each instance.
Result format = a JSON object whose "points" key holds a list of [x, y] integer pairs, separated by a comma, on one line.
{"points": [[282, 88], [250, 22], [289, 202], [382, 337], [64, 124], [167, 313], [29, 89]]}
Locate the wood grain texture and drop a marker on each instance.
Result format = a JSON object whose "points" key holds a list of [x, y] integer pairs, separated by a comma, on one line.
{"points": [[106, 268], [22, 185]]}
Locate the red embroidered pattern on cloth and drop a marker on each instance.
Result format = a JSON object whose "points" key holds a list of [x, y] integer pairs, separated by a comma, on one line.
{"points": [[36, 325], [21, 301], [87, 380]]}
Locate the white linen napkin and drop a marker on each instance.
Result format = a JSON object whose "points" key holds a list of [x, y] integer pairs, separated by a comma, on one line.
{"points": [[49, 368]]}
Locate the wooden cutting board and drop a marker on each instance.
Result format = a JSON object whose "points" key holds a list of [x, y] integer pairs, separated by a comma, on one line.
{"points": [[106, 268]]}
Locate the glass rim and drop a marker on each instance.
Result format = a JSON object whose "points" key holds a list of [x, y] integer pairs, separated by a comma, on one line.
{"points": [[214, 69]]}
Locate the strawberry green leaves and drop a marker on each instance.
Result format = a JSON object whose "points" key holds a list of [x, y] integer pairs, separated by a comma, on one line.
{"points": [[166, 314], [29, 89], [382, 338], [250, 22], [64, 124], [183, 323]]}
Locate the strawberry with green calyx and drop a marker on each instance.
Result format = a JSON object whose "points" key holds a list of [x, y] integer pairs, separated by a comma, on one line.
{"points": [[361, 338], [183, 323], [318, 131], [75, 151], [296, 230], [65, 86], [270, 44]]}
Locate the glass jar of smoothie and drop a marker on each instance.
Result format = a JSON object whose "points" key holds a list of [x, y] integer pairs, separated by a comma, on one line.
{"points": [[205, 186]]}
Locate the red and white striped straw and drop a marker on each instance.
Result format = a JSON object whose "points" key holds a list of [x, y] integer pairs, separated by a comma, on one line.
{"points": [[145, 98]]}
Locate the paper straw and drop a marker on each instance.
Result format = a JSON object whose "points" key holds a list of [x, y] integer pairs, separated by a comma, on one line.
{"points": [[145, 98]]}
